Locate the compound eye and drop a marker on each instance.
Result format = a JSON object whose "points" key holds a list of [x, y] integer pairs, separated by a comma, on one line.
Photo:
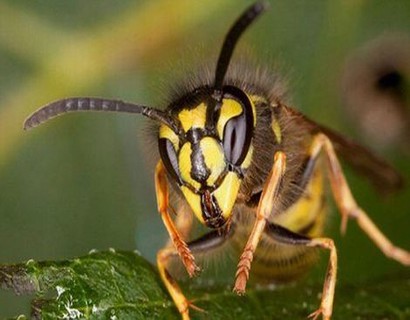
{"points": [[169, 158], [234, 139], [238, 130]]}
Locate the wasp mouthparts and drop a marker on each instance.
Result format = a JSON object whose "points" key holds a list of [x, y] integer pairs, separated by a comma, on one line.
{"points": [[211, 212]]}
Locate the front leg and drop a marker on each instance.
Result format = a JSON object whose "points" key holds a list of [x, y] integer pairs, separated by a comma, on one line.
{"points": [[205, 244], [179, 246], [161, 188], [267, 202]]}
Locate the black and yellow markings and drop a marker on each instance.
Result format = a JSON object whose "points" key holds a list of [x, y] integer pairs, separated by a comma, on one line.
{"points": [[202, 161], [214, 159], [230, 109], [226, 193], [185, 165], [307, 213], [194, 201], [193, 118], [166, 132]]}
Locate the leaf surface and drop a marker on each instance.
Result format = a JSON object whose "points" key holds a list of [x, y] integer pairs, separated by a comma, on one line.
{"points": [[123, 285]]}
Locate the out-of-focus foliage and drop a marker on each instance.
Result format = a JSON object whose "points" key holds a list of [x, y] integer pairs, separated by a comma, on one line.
{"points": [[85, 181]]}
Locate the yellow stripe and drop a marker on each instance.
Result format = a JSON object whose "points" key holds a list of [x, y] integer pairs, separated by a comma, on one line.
{"points": [[227, 192], [167, 133], [257, 99], [276, 130], [185, 165], [193, 118], [308, 208], [230, 108], [194, 202], [248, 159], [214, 158]]}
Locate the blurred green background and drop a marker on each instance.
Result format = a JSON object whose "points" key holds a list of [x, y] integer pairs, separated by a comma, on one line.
{"points": [[84, 181]]}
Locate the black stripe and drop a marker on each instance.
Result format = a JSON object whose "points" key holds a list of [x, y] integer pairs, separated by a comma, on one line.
{"points": [[211, 240]]}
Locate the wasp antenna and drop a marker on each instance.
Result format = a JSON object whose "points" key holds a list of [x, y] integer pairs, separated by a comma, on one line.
{"points": [[60, 107], [231, 39]]}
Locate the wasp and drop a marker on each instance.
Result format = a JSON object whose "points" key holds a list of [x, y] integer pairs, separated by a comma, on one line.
{"points": [[252, 169]]}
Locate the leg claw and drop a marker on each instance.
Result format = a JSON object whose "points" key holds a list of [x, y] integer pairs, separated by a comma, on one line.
{"points": [[189, 305], [192, 269], [240, 284], [315, 315], [187, 259], [194, 307]]}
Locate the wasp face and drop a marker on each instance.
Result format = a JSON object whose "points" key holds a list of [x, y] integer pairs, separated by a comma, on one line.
{"points": [[209, 155]]}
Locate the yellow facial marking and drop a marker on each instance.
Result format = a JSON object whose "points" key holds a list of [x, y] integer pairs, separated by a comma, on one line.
{"points": [[214, 158], [248, 159], [227, 192], [185, 165], [194, 202], [193, 118], [230, 108], [166, 132]]}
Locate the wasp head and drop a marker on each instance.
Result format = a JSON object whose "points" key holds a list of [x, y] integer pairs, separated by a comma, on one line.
{"points": [[210, 153]]}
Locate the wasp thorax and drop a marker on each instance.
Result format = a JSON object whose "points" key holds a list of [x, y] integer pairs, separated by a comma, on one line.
{"points": [[208, 159]]}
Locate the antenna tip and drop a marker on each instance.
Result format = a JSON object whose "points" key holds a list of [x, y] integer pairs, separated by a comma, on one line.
{"points": [[26, 126], [31, 122], [265, 5], [261, 6]]}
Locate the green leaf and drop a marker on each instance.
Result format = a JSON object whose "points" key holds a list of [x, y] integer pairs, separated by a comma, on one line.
{"points": [[101, 285], [123, 285]]}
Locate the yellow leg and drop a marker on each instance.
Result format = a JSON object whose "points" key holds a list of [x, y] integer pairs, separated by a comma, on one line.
{"points": [[183, 223], [174, 290], [348, 206], [285, 236], [179, 245], [326, 304], [265, 207]]}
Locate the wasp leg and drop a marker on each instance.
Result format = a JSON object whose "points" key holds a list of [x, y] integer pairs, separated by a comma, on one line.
{"points": [[285, 236], [268, 200], [183, 223], [207, 242], [173, 288], [347, 204], [180, 245]]}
